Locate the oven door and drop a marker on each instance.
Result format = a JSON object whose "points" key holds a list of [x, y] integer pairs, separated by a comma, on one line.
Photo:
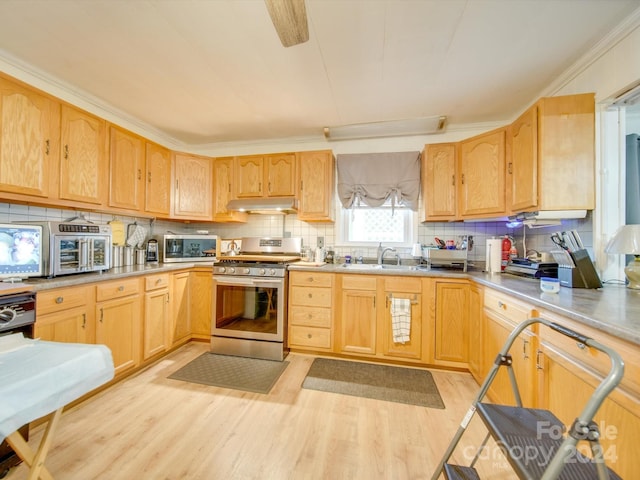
{"points": [[249, 308]]}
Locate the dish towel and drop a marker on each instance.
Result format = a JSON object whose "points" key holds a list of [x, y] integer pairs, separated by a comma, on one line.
{"points": [[401, 319]]}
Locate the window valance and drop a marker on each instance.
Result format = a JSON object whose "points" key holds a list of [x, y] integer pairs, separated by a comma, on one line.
{"points": [[373, 178]]}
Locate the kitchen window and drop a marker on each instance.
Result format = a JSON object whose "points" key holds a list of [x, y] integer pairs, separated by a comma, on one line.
{"points": [[368, 226]]}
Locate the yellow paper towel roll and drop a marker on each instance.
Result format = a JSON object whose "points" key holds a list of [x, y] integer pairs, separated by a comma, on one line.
{"points": [[494, 255]]}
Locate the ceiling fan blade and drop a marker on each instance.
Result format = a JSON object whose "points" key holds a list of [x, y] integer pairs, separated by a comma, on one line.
{"points": [[290, 19]]}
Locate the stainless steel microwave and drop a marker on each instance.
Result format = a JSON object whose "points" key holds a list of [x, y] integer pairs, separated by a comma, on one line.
{"points": [[189, 248], [74, 247]]}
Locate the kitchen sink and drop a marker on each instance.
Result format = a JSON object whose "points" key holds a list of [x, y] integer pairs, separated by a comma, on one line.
{"points": [[374, 266]]}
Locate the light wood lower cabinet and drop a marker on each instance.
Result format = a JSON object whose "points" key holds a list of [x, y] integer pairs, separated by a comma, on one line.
{"points": [[451, 334], [200, 303], [358, 312], [118, 326], [476, 347], [568, 373], [66, 315], [311, 302], [180, 328], [501, 315], [408, 290], [156, 315]]}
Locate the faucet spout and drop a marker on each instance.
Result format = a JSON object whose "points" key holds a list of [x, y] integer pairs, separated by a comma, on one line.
{"points": [[381, 253]]}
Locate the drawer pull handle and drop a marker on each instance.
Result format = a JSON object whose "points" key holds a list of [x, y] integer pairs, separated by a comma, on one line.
{"points": [[309, 316], [311, 279], [121, 288], [502, 305], [581, 346], [309, 335], [59, 300], [311, 295], [158, 281]]}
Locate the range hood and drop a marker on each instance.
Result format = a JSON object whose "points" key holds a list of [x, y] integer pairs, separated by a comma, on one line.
{"points": [[546, 218], [268, 206]]}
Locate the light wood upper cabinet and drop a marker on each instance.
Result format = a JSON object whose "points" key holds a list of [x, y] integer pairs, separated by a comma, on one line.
{"points": [[223, 178], [265, 175], [192, 187], [552, 156], [126, 170], [522, 168], [158, 180], [317, 186], [83, 162], [482, 175], [29, 141], [566, 146], [439, 165]]}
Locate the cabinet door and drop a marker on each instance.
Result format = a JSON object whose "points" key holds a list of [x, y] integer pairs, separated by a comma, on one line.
{"points": [[476, 364], [192, 192], [126, 167], [413, 348], [83, 163], [223, 178], [451, 322], [482, 182], [358, 313], [200, 294], [29, 136], [156, 323], [281, 175], [439, 181], [158, 179], [180, 311], [316, 186], [496, 331], [64, 326], [249, 175], [118, 327], [566, 386], [522, 169]]}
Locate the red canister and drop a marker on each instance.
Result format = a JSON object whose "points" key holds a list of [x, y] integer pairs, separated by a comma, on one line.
{"points": [[506, 248]]}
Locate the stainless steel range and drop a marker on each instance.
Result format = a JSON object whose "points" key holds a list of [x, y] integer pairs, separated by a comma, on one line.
{"points": [[250, 298]]}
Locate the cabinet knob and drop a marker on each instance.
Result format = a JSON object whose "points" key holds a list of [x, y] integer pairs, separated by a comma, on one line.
{"points": [[311, 295], [502, 305], [59, 300], [309, 335], [121, 288]]}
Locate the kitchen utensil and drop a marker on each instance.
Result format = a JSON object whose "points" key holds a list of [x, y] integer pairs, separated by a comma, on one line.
{"points": [[578, 240], [558, 240], [568, 240]]}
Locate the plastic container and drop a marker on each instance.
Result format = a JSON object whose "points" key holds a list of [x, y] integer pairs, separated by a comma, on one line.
{"points": [[549, 285]]}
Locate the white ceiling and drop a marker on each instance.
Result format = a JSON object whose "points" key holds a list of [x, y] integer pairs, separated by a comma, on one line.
{"points": [[211, 71]]}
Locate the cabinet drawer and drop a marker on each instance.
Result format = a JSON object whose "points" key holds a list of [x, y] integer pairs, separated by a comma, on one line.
{"points": [[358, 282], [121, 288], [590, 357], [154, 282], [311, 296], [403, 284], [309, 337], [61, 299], [310, 316], [506, 306], [311, 278]]}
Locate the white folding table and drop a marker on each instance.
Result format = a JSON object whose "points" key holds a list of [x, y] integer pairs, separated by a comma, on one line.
{"points": [[38, 378]]}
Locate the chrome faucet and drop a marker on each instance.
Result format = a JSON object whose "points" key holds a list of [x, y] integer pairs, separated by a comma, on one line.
{"points": [[382, 251]]}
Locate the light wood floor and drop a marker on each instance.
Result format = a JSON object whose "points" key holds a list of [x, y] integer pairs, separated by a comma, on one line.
{"points": [[151, 427]]}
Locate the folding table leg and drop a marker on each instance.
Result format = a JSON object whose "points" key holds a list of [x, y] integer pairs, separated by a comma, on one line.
{"points": [[36, 461]]}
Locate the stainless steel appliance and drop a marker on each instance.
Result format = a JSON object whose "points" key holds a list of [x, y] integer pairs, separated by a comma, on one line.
{"points": [[250, 298], [74, 247], [189, 248], [17, 315]]}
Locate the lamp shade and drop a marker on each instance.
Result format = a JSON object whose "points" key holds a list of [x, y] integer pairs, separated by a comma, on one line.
{"points": [[626, 240]]}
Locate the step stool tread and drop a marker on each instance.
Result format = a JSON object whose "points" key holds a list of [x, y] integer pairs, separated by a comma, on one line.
{"points": [[458, 472]]}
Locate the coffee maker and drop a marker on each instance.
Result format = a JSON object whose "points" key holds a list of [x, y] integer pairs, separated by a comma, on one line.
{"points": [[152, 250]]}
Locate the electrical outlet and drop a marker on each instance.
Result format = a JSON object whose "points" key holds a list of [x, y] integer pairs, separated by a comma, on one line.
{"points": [[320, 242], [287, 234]]}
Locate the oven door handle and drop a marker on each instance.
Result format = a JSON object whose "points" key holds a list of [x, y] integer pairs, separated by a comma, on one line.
{"points": [[246, 281]]}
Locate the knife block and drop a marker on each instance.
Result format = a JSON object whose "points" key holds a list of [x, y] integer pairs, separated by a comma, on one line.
{"points": [[583, 275]]}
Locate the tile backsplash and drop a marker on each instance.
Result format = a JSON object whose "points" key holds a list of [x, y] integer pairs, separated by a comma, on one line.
{"points": [[537, 239]]}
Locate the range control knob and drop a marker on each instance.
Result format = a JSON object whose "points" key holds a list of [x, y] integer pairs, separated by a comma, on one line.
{"points": [[262, 271], [232, 270], [246, 270], [221, 269], [272, 271]]}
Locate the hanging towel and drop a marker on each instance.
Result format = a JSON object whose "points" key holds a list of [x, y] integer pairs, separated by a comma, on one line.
{"points": [[401, 319]]}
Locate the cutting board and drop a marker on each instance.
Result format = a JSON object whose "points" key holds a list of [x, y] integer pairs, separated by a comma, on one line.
{"points": [[302, 263], [117, 232]]}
